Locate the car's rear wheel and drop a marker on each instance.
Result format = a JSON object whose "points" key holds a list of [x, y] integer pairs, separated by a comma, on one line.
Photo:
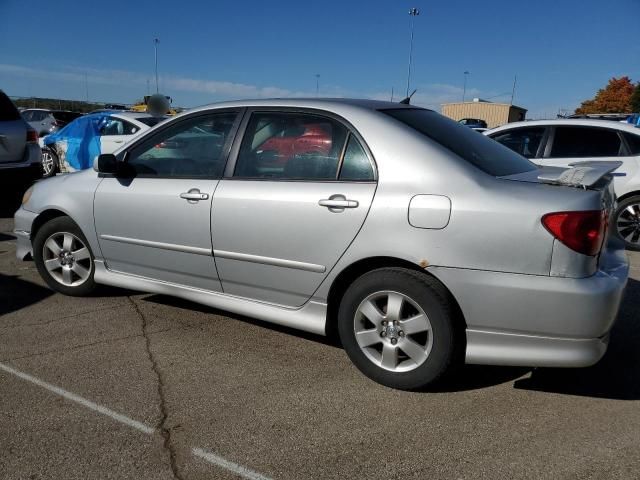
{"points": [[49, 163], [627, 222], [398, 328], [63, 257]]}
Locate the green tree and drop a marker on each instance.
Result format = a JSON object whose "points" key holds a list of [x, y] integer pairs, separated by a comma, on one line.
{"points": [[614, 98], [635, 99]]}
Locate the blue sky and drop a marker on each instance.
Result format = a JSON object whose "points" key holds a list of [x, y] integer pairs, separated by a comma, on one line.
{"points": [[562, 51]]}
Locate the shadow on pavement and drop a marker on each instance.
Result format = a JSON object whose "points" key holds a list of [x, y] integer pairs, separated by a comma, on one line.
{"points": [[12, 187], [16, 293], [186, 304], [616, 376]]}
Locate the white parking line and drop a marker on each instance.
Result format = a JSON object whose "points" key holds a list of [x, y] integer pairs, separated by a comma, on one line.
{"points": [[118, 417], [234, 467]]}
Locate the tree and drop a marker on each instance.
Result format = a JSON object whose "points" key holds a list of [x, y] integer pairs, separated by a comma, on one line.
{"points": [[635, 99], [614, 98]]}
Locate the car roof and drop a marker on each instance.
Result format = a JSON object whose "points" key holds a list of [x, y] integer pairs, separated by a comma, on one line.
{"points": [[578, 122], [319, 103]]}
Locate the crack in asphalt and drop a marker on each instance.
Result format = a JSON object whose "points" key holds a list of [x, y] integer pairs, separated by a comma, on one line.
{"points": [[162, 423]]}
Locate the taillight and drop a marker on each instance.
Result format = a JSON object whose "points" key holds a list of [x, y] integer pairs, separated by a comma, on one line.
{"points": [[580, 231], [32, 136]]}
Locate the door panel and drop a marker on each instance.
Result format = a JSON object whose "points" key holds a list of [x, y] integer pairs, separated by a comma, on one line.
{"points": [[145, 228], [274, 242]]}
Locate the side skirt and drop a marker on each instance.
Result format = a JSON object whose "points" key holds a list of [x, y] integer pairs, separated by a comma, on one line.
{"points": [[311, 317]]}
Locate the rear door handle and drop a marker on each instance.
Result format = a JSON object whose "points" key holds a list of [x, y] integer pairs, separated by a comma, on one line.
{"points": [[337, 203], [194, 195], [118, 141]]}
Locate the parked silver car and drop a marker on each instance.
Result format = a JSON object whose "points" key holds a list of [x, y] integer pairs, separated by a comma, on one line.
{"points": [[421, 242], [19, 149], [45, 121]]}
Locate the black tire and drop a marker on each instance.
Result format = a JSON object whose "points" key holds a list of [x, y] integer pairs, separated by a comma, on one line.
{"points": [[447, 338], [631, 225], [53, 158], [60, 226]]}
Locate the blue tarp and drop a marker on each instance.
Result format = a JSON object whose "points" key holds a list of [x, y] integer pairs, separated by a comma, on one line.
{"points": [[78, 143]]}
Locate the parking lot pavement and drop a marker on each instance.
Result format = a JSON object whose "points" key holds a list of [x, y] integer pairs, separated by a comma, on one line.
{"points": [[128, 385]]}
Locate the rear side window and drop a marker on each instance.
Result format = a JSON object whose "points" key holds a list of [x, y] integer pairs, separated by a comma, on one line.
{"points": [[524, 141], [355, 165], [8, 111], [633, 141], [477, 149], [291, 146], [583, 142]]}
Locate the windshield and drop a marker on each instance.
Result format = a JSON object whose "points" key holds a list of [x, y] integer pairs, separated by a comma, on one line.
{"points": [[482, 152], [150, 121]]}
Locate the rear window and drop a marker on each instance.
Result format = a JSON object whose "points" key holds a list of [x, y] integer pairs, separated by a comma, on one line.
{"points": [[584, 142], [482, 152], [8, 111], [66, 116], [150, 121]]}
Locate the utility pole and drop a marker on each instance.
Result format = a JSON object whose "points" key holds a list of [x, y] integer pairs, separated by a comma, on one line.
{"points": [[413, 13], [317, 84], [464, 88], [86, 86], [392, 94], [156, 41], [513, 90]]}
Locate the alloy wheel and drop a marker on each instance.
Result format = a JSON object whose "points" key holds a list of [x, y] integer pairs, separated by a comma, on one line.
{"points": [[67, 259], [628, 224], [48, 163], [393, 331]]}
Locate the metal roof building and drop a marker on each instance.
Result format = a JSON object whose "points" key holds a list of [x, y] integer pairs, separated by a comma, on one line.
{"points": [[495, 114]]}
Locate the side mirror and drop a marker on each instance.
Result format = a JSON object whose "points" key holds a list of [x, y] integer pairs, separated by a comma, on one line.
{"points": [[106, 163]]}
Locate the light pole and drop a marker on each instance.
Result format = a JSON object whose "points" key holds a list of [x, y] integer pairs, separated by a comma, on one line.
{"points": [[413, 13], [156, 41], [464, 88], [317, 84]]}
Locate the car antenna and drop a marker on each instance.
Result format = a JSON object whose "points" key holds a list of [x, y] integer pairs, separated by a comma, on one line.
{"points": [[407, 100]]}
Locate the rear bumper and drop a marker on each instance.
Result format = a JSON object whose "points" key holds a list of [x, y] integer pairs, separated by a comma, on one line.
{"points": [[32, 158], [23, 219], [531, 320]]}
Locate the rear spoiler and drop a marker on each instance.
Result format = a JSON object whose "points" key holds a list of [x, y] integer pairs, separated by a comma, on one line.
{"points": [[582, 174]]}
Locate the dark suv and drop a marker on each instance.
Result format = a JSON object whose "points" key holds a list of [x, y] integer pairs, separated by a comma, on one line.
{"points": [[19, 149]]}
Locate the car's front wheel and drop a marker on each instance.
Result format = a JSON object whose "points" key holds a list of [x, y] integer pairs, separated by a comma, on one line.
{"points": [[49, 163], [398, 328], [63, 257], [627, 222]]}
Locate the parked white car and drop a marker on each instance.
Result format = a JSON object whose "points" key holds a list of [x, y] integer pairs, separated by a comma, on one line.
{"points": [[565, 141], [76, 146]]}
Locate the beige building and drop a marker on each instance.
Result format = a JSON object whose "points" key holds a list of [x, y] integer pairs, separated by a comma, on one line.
{"points": [[495, 114]]}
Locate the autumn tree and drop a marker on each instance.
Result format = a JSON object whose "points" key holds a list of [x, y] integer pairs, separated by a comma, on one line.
{"points": [[614, 98], [635, 99]]}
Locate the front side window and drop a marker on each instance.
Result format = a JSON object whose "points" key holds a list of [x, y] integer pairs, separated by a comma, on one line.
{"points": [[524, 141], [192, 148], [117, 126], [633, 141], [585, 142], [292, 146]]}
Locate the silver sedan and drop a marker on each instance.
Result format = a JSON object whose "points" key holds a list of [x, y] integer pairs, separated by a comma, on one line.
{"points": [[419, 242]]}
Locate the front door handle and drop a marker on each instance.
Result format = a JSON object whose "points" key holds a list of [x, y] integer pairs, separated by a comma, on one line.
{"points": [[118, 141], [337, 203], [194, 195]]}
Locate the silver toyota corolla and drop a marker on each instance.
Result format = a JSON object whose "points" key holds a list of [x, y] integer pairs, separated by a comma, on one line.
{"points": [[420, 242]]}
